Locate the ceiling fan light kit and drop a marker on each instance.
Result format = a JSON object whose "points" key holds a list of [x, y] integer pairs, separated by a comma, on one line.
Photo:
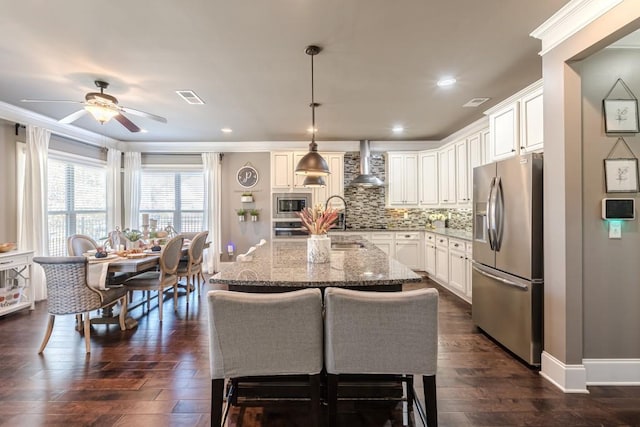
{"points": [[312, 163]]}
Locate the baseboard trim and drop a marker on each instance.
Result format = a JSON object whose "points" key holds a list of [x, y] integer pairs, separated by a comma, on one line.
{"points": [[617, 372], [568, 378]]}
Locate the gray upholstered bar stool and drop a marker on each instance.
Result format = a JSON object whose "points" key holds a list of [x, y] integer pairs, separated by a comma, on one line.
{"points": [[264, 335], [382, 333], [69, 293]]}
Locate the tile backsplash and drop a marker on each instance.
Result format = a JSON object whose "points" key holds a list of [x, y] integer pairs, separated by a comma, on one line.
{"points": [[366, 206]]}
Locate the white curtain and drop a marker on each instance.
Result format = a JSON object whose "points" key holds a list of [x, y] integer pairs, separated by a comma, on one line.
{"points": [[212, 189], [33, 232], [132, 171], [114, 189]]}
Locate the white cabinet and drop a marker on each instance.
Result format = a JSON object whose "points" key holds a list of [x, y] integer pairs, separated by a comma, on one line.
{"points": [[16, 290], [463, 192], [516, 124], [428, 179], [486, 147], [457, 267], [408, 249], [442, 260], [504, 131], [283, 173], [334, 181], [402, 177], [447, 175], [531, 122], [430, 254], [384, 242]]}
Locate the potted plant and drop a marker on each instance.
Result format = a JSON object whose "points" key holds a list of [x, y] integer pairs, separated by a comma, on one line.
{"points": [[247, 197], [254, 214], [241, 213]]}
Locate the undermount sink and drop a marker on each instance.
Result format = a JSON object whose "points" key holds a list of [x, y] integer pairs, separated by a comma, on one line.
{"points": [[346, 246]]}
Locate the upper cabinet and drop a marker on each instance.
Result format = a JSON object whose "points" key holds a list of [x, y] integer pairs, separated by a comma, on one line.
{"points": [[402, 178], [283, 174], [447, 175], [516, 124], [463, 191], [428, 179]]}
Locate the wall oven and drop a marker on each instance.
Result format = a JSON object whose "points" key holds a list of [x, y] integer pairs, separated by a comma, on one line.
{"points": [[286, 205]]}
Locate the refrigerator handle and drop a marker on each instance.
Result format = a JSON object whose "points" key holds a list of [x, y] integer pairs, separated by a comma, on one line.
{"points": [[498, 212], [499, 279], [491, 215]]}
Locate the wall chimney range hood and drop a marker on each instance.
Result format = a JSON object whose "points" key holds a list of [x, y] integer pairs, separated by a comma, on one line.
{"points": [[366, 179]]}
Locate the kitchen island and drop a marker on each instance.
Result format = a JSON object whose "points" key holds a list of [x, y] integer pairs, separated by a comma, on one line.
{"points": [[281, 265]]}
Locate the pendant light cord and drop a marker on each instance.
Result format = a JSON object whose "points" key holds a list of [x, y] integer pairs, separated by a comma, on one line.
{"points": [[313, 108]]}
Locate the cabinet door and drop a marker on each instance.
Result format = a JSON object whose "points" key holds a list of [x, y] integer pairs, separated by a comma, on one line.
{"points": [[281, 169], [468, 261], [457, 272], [462, 172], [428, 179], [486, 147], [385, 246], [430, 259], [408, 253], [447, 174], [531, 122], [442, 264], [335, 180], [297, 180], [504, 132], [411, 179], [396, 179]]}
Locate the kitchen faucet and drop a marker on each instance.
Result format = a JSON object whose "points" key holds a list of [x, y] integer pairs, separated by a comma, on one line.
{"points": [[344, 218]]}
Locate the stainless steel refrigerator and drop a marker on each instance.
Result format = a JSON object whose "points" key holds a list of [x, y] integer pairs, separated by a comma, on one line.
{"points": [[507, 277]]}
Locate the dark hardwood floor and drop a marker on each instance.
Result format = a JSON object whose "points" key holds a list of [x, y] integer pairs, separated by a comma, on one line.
{"points": [[158, 375]]}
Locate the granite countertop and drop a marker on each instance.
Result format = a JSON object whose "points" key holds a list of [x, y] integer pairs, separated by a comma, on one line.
{"points": [[449, 232], [284, 263]]}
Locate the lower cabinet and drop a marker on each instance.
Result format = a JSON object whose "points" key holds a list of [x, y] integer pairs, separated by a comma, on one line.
{"points": [[384, 242], [430, 254], [448, 262], [457, 271], [442, 260], [468, 262], [408, 249]]}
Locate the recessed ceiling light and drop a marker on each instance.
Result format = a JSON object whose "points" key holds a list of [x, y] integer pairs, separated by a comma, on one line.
{"points": [[143, 131], [311, 130], [397, 129], [447, 81], [226, 130]]}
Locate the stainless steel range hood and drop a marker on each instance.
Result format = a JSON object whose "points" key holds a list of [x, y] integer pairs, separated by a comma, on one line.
{"points": [[366, 179]]}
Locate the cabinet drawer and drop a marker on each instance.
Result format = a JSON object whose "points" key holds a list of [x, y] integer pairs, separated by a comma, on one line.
{"points": [[442, 241], [457, 245], [381, 236], [429, 237], [14, 261], [411, 235]]}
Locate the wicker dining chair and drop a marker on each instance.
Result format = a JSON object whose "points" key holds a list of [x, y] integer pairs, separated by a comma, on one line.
{"points": [[79, 244], [69, 293], [191, 268], [166, 277]]}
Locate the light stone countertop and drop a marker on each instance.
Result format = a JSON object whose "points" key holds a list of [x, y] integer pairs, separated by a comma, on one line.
{"points": [[284, 264], [449, 232]]}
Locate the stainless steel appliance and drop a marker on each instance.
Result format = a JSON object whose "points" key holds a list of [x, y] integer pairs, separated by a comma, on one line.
{"points": [[507, 275], [289, 229], [286, 205]]}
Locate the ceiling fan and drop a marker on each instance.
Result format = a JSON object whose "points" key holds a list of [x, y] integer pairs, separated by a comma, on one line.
{"points": [[103, 107]]}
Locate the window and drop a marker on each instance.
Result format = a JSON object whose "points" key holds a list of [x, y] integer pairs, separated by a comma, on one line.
{"points": [[174, 198], [77, 202]]}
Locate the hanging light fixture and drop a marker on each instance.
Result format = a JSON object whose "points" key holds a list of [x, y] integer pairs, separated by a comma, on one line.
{"points": [[314, 181], [312, 164]]}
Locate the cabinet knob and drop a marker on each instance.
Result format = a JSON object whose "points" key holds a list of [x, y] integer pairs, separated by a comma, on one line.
{"points": [[513, 149], [521, 147]]}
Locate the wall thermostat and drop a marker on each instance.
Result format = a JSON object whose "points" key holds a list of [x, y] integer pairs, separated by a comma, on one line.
{"points": [[618, 209]]}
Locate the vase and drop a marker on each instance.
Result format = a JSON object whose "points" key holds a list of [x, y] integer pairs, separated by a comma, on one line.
{"points": [[318, 248]]}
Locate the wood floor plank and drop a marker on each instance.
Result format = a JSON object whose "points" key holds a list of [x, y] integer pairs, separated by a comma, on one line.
{"points": [[158, 375]]}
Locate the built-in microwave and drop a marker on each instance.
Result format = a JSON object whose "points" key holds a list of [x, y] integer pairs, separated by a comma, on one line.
{"points": [[286, 205]]}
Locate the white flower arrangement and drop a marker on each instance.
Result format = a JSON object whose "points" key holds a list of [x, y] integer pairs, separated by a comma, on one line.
{"points": [[436, 217]]}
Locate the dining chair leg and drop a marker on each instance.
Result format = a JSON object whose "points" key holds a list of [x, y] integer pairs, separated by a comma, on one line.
{"points": [[47, 334], [332, 400], [87, 332], [430, 401], [123, 313], [314, 384], [160, 302], [217, 395]]}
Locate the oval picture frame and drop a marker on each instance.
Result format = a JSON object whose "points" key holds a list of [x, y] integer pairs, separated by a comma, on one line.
{"points": [[247, 176]]}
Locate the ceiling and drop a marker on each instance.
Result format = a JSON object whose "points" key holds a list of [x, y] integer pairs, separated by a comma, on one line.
{"points": [[379, 66]]}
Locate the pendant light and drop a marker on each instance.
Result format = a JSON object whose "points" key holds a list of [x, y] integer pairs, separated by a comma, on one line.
{"points": [[314, 181], [313, 164]]}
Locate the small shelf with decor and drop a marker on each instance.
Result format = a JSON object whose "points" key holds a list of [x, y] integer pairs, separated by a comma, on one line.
{"points": [[247, 197], [255, 214], [241, 214]]}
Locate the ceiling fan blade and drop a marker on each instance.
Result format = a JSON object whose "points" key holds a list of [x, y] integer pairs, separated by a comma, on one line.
{"points": [[143, 114], [52, 100], [127, 123], [73, 116]]}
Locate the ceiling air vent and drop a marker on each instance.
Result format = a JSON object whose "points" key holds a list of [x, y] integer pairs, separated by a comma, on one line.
{"points": [[190, 97], [475, 102]]}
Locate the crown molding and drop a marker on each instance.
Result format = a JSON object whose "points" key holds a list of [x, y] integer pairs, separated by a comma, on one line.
{"points": [[12, 113], [570, 19], [516, 96]]}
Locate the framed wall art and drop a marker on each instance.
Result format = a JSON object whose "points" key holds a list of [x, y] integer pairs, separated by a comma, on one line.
{"points": [[620, 110], [621, 175], [247, 176]]}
